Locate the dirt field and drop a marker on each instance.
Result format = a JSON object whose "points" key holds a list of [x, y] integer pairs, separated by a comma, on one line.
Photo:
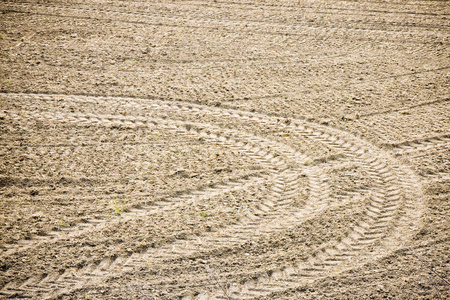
{"points": [[195, 149]]}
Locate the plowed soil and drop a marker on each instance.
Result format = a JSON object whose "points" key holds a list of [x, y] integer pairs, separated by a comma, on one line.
{"points": [[224, 149]]}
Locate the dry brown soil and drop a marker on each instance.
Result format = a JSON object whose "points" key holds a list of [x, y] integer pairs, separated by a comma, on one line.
{"points": [[196, 149]]}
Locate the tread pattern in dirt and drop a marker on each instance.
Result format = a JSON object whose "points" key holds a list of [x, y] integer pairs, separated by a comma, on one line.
{"points": [[388, 213]]}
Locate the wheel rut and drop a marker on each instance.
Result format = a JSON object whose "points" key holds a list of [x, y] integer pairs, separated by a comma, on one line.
{"points": [[391, 208], [397, 30], [394, 195], [420, 147]]}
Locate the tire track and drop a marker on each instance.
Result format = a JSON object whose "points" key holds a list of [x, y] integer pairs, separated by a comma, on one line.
{"points": [[388, 200], [416, 148], [425, 154], [166, 204], [339, 86], [388, 111], [287, 15], [37, 286], [283, 7], [368, 185], [211, 23], [385, 204], [281, 196], [157, 206], [438, 126], [279, 6]]}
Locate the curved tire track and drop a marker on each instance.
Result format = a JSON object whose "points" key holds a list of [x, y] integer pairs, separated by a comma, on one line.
{"points": [[395, 196], [389, 214], [39, 286]]}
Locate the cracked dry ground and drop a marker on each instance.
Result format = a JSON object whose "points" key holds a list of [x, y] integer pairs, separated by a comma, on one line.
{"points": [[224, 149]]}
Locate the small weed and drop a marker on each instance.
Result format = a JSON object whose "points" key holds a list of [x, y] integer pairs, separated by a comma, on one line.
{"points": [[128, 63], [118, 208], [308, 162], [204, 214], [62, 224]]}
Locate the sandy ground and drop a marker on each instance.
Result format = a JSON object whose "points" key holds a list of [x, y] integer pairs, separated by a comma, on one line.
{"points": [[224, 150]]}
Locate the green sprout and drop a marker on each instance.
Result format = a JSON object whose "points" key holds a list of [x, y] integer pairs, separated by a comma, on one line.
{"points": [[119, 208]]}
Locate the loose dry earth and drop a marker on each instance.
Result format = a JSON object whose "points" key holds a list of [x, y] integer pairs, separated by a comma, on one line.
{"points": [[224, 150]]}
